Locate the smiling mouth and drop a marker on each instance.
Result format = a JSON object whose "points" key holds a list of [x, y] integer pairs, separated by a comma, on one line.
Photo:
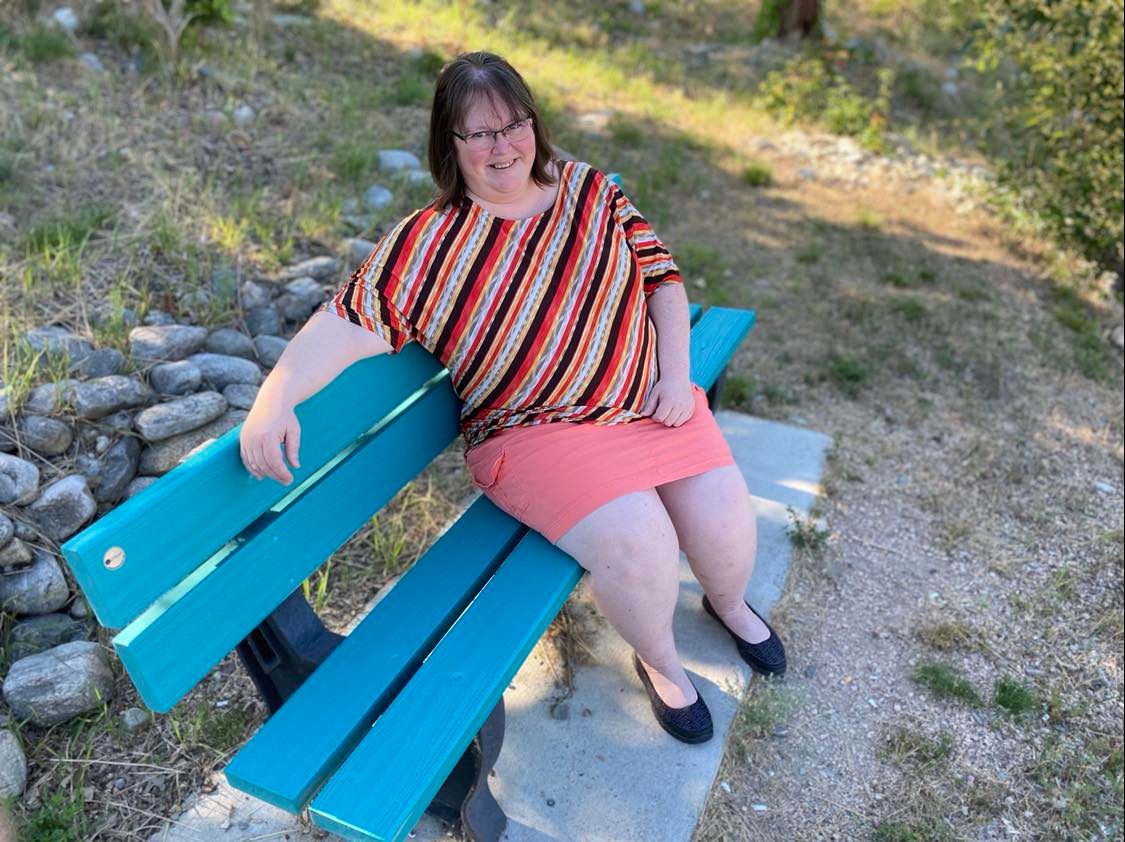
{"points": [[503, 166]]}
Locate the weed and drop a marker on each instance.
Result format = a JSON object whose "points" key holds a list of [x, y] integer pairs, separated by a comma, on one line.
{"points": [[410, 90], [56, 819], [809, 253], [847, 372], [909, 745], [67, 230], [766, 706], [928, 831], [352, 160], [1015, 697], [868, 219], [805, 533], [322, 576], [911, 309], [944, 682], [896, 279], [624, 132], [971, 294], [945, 635], [757, 174], [44, 43]]}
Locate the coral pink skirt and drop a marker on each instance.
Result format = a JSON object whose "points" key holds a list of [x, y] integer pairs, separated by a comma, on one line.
{"points": [[550, 476]]}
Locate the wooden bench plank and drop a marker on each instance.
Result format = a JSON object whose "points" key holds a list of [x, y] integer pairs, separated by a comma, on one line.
{"points": [[714, 340], [335, 707], [164, 651], [385, 785], [193, 510]]}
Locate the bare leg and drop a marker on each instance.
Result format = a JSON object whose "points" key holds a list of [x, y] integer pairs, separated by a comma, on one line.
{"points": [[629, 548], [717, 528]]}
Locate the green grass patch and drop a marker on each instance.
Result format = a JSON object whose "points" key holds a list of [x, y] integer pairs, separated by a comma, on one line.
{"points": [[946, 635], [1015, 697], [925, 831], [757, 174], [56, 819], [848, 372], [43, 43], [909, 745], [809, 253], [766, 706], [624, 132], [805, 533], [67, 230], [910, 309], [946, 683], [868, 219], [898, 280]]}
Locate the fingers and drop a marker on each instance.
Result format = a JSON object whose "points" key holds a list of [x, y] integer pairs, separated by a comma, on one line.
{"points": [[293, 443]]}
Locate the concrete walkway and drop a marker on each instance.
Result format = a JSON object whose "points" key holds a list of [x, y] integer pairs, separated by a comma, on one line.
{"points": [[603, 769]]}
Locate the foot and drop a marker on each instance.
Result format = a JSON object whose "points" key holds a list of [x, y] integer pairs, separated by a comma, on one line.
{"points": [[674, 694], [743, 622]]}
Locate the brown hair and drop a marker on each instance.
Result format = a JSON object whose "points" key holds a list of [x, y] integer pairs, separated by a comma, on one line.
{"points": [[465, 80]]}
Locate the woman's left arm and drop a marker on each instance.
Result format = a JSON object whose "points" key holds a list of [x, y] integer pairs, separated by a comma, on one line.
{"points": [[671, 401]]}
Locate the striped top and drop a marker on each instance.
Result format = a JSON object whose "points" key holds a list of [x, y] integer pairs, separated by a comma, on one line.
{"points": [[538, 320]]}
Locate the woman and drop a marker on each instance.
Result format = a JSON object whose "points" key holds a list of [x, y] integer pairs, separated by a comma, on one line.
{"points": [[550, 299]]}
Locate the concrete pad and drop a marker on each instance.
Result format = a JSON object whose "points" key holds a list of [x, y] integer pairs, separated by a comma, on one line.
{"points": [[606, 771]]}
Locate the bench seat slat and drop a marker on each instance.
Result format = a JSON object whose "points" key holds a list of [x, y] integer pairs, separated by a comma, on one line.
{"points": [[714, 340], [384, 786], [170, 527], [172, 645], [334, 708]]}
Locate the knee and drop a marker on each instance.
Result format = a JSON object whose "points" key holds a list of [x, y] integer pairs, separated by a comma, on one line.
{"points": [[643, 552]]}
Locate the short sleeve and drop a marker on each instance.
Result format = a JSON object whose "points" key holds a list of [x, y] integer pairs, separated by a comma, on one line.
{"points": [[364, 301], [657, 266]]}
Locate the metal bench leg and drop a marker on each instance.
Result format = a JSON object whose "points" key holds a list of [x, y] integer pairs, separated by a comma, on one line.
{"points": [[285, 649], [715, 393], [464, 800]]}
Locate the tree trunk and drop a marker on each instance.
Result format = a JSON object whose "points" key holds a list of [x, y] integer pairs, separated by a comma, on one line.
{"points": [[798, 16]]}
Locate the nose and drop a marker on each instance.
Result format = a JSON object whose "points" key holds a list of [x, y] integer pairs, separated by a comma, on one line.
{"points": [[500, 142]]}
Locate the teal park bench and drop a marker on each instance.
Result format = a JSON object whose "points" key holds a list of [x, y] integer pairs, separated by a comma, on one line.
{"points": [[406, 713]]}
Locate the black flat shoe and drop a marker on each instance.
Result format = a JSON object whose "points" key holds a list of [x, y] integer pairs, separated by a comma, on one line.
{"points": [[690, 724], [767, 657]]}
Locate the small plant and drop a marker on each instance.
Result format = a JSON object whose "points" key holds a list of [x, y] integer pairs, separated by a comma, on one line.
{"points": [[809, 253], [624, 132], [805, 533], [847, 372], [907, 745], [757, 174], [944, 682], [57, 819], [1015, 697], [895, 279], [44, 43], [911, 309], [321, 588], [869, 220]]}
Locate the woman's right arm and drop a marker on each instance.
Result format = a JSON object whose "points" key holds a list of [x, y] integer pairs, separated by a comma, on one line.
{"points": [[324, 347]]}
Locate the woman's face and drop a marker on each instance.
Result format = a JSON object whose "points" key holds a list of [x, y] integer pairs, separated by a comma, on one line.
{"points": [[500, 171]]}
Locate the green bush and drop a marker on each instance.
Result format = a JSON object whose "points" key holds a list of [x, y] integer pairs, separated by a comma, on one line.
{"points": [[1061, 113]]}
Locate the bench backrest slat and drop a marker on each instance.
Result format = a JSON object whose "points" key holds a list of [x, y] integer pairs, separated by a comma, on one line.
{"points": [[714, 340], [169, 528], [354, 685], [173, 644]]}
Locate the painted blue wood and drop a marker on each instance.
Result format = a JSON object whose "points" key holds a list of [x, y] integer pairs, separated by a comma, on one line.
{"points": [[196, 508], [336, 706], [714, 340], [172, 645], [386, 783]]}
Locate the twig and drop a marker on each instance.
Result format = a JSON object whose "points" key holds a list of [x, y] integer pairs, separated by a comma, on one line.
{"points": [[119, 763]]}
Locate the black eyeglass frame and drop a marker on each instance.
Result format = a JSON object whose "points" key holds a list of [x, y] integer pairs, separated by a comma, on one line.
{"points": [[494, 132]]}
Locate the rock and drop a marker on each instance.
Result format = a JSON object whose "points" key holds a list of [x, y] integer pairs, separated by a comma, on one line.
{"points": [[806, 174], [220, 370], [57, 339], [79, 610], [195, 301], [292, 308], [89, 466], [240, 395], [376, 197], [7, 531], [26, 531], [1118, 337], [178, 378], [118, 422], [13, 767], [398, 159], [101, 363], [358, 250], [134, 719], [100, 397], [66, 18], [63, 507], [118, 470], [19, 480], [91, 62], [244, 116], [253, 295], [261, 320], [307, 290], [180, 416], [318, 268], [40, 633], [163, 457], [59, 684], [224, 283], [15, 555], [138, 485], [159, 318], [417, 176], [40, 589], [163, 343], [49, 398], [230, 342], [46, 436], [106, 315], [269, 349]]}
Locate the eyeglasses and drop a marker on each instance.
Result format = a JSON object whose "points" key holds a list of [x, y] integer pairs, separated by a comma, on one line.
{"points": [[486, 139]]}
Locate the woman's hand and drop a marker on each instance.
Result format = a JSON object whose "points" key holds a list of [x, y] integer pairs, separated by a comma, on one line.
{"points": [[670, 402], [264, 429]]}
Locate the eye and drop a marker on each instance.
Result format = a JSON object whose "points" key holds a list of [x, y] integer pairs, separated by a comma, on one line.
{"points": [[478, 135]]}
